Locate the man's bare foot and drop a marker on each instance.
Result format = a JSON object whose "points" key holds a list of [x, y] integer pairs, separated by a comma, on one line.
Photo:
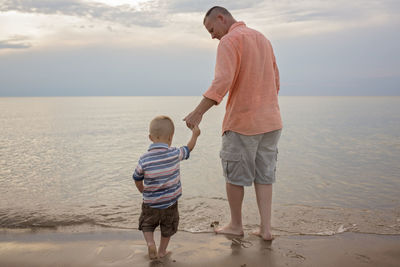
{"points": [[164, 254], [152, 252], [229, 230], [266, 237]]}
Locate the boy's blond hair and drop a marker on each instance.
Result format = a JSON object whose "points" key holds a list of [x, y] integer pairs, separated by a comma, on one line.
{"points": [[161, 127]]}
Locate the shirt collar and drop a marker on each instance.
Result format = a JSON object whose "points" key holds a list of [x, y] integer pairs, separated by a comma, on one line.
{"points": [[157, 146], [235, 25]]}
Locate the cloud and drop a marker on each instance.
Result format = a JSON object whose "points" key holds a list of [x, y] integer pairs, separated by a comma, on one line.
{"points": [[291, 19], [184, 6], [126, 15], [288, 14], [16, 42], [153, 13], [338, 10]]}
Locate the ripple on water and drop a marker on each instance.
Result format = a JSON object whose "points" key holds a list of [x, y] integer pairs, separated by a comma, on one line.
{"points": [[197, 214]]}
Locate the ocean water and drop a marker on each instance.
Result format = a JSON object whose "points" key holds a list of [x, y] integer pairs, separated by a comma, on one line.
{"points": [[68, 162]]}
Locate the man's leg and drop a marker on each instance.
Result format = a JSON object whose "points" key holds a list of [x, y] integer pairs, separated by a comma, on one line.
{"points": [[235, 195], [264, 202]]}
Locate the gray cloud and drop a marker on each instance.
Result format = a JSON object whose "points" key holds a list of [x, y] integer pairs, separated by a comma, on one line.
{"points": [[124, 14], [305, 10], [155, 13], [16, 42], [183, 6], [149, 14]]}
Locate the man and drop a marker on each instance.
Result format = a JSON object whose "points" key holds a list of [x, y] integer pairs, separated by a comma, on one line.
{"points": [[246, 68]]}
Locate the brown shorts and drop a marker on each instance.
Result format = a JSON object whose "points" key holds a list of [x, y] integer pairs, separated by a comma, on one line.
{"points": [[168, 219]]}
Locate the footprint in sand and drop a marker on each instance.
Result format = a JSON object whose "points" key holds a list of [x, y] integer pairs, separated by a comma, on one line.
{"points": [[363, 258], [99, 250]]}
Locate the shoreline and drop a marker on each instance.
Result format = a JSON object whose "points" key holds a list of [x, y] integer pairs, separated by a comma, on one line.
{"points": [[112, 247], [197, 213]]}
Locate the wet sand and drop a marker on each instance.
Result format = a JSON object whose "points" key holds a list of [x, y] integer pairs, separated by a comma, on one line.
{"points": [[127, 248]]}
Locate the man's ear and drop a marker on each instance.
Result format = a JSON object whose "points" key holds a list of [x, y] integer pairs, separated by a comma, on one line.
{"points": [[151, 138]]}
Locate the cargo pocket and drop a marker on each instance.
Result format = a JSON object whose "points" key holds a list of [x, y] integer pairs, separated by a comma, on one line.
{"points": [[231, 165]]}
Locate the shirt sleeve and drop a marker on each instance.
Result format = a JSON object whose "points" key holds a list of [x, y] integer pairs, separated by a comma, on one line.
{"points": [[138, 174], [184, 153], [225, 71]]}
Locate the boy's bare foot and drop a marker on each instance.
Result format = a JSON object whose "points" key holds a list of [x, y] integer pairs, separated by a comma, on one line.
{"points": [[229, 230], [266, 237], [164, 254], [152, 252]]}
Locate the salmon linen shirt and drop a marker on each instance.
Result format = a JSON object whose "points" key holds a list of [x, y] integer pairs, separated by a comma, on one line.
{"points": [[246, 68]]}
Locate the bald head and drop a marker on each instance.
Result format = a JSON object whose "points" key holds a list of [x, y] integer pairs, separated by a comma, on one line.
{"points": [[212, 13]]}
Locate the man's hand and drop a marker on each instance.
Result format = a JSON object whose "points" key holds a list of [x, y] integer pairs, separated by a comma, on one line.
{"points": [[193, 119]]}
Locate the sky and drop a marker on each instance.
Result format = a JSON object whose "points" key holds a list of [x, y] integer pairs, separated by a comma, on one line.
{"points": [[160, 47]]}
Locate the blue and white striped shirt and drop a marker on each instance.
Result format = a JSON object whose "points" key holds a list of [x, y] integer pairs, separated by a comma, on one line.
{"points": [[159, 170]]}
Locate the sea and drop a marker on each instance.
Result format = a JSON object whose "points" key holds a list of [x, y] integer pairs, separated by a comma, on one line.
{"points": [[66, 163]]}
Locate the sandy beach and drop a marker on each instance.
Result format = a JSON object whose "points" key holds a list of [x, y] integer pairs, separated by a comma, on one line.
{"points": [[127, 248]]}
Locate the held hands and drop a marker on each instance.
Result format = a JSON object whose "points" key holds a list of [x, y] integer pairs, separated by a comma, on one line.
{"points": [[193, 119]]}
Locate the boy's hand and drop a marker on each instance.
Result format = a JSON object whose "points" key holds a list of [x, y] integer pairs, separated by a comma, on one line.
{"points": [[196, 130], [193, 139]]}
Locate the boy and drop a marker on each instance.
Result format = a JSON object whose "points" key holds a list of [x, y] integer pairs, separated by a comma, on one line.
{"points": [[157, 178]]}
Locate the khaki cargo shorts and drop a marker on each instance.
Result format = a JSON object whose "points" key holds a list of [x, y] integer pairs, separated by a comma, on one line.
{"points": [[249, 158], [168, 219]]}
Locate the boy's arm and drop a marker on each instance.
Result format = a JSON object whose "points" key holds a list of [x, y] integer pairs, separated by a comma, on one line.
{"points": [[138, 177], [192, 142], [139, 185]]}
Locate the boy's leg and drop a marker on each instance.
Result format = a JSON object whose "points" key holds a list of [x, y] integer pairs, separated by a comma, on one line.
{"points": [[151, 245], [169, 226], [264, 202], [162, 249], [235, 195], [149, 237]]}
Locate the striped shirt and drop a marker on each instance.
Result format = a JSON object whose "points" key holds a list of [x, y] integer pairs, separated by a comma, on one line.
{"points": [[159, 170]]}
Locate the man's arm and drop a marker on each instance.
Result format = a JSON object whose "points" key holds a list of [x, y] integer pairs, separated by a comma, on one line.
{"points": [[277, 82], [228, 58], [276, 72], [194, 118]]}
